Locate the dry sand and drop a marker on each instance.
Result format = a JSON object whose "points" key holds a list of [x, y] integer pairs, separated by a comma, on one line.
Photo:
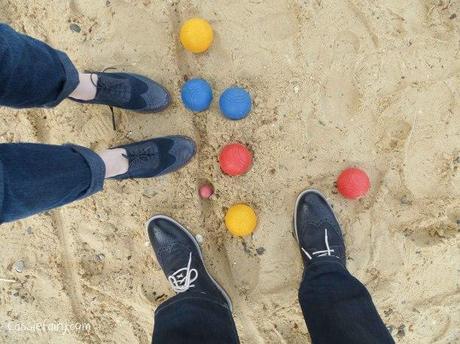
{"points": [[335, 83]]}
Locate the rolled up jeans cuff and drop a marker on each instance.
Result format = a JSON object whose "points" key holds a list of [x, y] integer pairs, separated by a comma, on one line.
{"points": [[97, 168], [72, 79]]}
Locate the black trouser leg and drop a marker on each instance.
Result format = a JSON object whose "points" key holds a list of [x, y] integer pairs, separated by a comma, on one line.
{"points": [[194, 318], [338, 308]]}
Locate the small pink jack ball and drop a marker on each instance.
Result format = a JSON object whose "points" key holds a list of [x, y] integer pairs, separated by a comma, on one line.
{"points": [[206, 191]]}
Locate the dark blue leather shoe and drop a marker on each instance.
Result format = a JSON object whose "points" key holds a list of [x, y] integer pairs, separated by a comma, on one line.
{"points": [[180, 257], [129, 91], [156, 157], [317, 228]]}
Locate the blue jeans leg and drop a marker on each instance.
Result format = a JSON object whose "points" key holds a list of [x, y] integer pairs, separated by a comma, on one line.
{"points": [[37, 177], [191, 318], [338, 308], [32, 74]]}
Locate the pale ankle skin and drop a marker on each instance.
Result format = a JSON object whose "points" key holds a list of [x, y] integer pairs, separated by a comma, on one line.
{"points": [[86, 89], [115, 162]]}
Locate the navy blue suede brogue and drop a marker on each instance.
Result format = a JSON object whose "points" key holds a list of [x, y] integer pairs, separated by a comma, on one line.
{"points": [[158, 156], [129, 91], [317, 229], [180, 257]]}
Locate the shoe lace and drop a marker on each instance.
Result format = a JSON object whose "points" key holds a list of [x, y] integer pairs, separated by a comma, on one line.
{"points": [[321, 253], [114, 123], [118, 90], [92, 81], [182, 279], [136, 158]]}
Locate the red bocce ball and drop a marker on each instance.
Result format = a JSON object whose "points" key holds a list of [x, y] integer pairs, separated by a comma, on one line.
{"points": [[235, 159], [353, 183]]}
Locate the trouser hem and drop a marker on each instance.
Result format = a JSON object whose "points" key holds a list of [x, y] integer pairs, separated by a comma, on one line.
{"points": [[184, 298], [97, 167], [72, 79]]}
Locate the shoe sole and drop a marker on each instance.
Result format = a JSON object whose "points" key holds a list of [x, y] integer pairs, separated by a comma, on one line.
{"points": [[164, 217], [303, 193]]}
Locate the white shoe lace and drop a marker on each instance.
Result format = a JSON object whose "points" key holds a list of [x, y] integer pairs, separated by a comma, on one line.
{"points": [[182, 279], [321, 253]]}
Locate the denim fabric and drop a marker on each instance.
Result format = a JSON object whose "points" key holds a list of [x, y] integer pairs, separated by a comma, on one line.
{"points": [[32, 74], [36, 177], [336, 306], [194, 318]]}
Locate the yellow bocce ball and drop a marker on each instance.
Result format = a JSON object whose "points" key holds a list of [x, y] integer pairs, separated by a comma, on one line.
{"points": [[241, 220], [196, 35]]}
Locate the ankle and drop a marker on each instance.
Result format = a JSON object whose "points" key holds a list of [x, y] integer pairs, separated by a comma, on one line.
{"points": [[86, 89], [115, 162]]}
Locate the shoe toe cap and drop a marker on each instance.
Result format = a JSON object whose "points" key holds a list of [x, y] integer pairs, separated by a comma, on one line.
{"points": [[161, 231], [313, 204], [313, 214], [156, 97], [166, 236], [183, 149]]}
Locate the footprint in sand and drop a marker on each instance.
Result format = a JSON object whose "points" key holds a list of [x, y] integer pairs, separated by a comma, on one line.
{"points": [[431, 231], [340, 92], [394, 136]]}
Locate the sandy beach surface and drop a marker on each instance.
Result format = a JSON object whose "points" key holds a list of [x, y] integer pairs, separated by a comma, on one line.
{"points": [[336, 83]]}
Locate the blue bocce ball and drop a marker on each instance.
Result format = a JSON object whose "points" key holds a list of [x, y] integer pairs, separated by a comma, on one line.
{"points": [[235, 103], [197, 95]]}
